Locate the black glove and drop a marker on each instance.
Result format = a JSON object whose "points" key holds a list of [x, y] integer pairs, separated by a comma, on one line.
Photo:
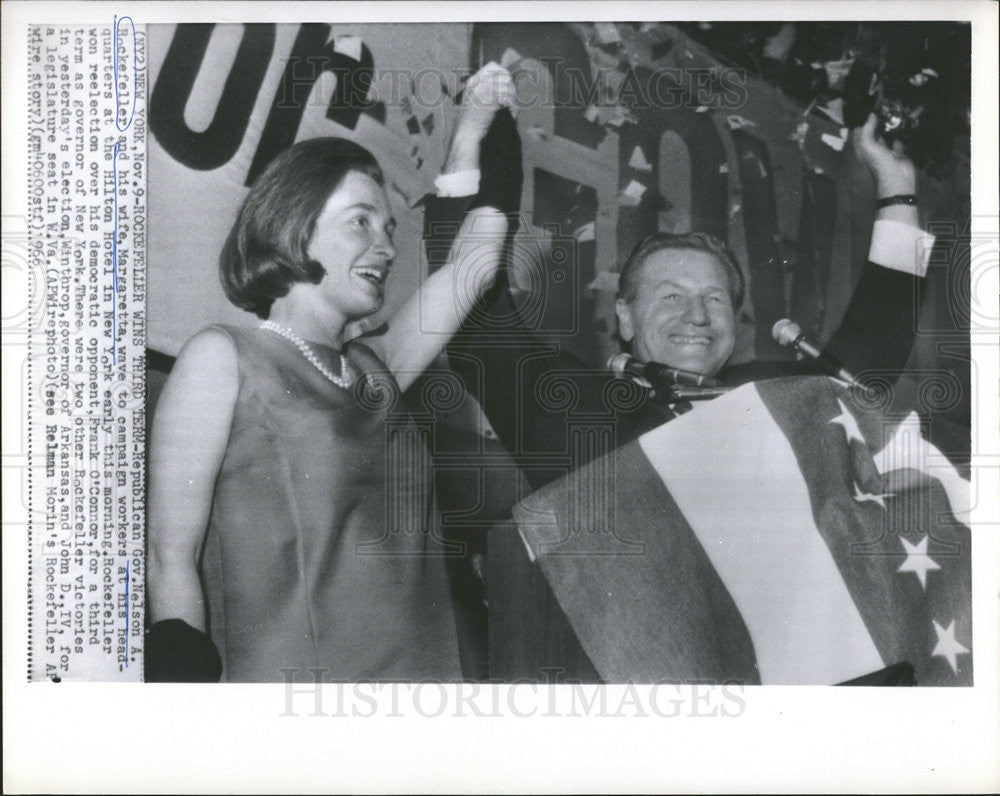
{"points": [[178, 653], [501, 174]]}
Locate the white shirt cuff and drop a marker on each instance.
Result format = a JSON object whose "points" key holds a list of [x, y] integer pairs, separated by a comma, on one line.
{"points": [[458, 183], [900, 247]]}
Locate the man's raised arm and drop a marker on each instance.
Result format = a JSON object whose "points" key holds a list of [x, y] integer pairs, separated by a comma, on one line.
{"points": [[879, 326]]}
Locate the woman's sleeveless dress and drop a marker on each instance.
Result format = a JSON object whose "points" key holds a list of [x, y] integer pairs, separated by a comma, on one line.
{"points": [[322, 558]]}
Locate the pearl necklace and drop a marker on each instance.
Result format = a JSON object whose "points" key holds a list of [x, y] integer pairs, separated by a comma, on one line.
{"points": [[343, 381]]}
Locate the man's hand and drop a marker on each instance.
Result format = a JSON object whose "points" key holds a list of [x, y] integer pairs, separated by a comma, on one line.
{"points": [[490, 89], [894, 172]]}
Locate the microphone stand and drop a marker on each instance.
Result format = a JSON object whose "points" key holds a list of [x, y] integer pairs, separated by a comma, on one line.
{"points": [[681, 393]]}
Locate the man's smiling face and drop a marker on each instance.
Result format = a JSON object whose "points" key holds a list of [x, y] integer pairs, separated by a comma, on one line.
{"points": [[682, 314]]}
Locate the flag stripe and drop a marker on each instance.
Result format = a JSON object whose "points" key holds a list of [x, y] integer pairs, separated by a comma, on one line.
{"points": [[756, 524], [644, 600]]}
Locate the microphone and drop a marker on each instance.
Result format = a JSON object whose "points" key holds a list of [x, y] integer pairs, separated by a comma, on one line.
{"points": [[658, 375], [788, 333]]}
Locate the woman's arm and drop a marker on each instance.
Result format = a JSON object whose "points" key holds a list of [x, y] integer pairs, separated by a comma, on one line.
{"points": [[188, 442], [420, 328]]}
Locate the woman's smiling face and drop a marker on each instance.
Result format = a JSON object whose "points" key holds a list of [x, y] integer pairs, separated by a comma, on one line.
{"points": [[352, 240]]}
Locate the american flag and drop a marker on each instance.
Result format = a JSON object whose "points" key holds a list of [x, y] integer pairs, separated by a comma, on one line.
{"points": [[780, 534]]}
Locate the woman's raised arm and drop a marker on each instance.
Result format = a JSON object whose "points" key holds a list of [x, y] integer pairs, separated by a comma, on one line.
{"points": [[419, 330], [188, 443]]}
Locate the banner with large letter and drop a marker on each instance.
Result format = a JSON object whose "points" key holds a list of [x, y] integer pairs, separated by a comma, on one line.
{"points": [[624, 131]]}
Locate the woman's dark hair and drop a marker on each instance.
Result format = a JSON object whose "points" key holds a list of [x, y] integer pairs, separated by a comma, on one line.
{"points": [[628, 280], [267, 249]]}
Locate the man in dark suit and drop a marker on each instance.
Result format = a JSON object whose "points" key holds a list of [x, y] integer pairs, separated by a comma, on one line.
{"points": [[677, 302]]}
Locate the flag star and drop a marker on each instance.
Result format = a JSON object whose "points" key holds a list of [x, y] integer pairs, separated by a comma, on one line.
{"points": [[865, 497], [917, 560], [850, 425], [947, 647]]}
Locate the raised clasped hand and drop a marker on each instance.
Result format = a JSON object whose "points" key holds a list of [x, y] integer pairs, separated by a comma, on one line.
{"points": [[490, 89], [894, 172]]}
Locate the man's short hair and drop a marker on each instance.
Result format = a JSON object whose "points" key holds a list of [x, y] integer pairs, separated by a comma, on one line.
{"points": [[628, 280], [267, 249]]}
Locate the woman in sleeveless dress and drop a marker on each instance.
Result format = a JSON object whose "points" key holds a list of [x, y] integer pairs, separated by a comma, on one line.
{"points": [[292, 530]]}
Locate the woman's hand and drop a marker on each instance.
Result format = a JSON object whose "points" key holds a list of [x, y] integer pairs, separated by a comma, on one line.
{"points": [[490, 89]]}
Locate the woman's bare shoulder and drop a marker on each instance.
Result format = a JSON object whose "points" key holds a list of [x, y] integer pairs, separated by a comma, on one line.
{"points": [[206, 369], [212, 347]]}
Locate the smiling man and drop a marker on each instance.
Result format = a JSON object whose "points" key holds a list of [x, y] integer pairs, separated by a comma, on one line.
{"points": [[678, 300]]}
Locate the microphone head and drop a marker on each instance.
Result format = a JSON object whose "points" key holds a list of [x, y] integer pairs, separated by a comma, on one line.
{"points": [[618, 363], [785, 332]]}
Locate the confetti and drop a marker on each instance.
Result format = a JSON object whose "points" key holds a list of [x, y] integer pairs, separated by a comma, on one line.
{"points": [[701, 109], [763, 169], [591, 113], [833, 141], [619, 116], [428, 123], [638, 160], [607, 32], [632, 195], [585, 233], [834, 109], [413, 125], [799, 136], [836, 72], [737, 122], [734, 209], [778, 46], [723, 168]]}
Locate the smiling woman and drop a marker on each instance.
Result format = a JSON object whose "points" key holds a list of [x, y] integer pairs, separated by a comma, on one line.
{"points": [[292, 531]]}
